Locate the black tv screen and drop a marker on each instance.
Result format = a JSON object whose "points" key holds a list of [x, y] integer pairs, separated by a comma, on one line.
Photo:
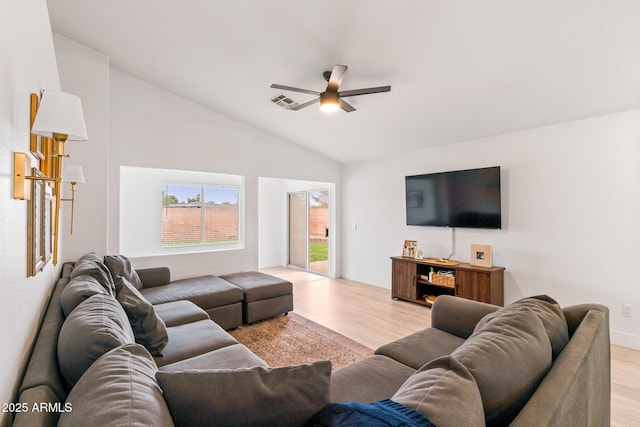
{"points": [[467, 198]]}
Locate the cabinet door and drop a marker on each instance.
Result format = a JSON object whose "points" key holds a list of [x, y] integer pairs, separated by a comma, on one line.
{"points": [[403, 279], [473, 285]]}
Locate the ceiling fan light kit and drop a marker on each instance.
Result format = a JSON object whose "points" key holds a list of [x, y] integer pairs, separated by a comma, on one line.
{"points": [[331, 99], [329, 102]]}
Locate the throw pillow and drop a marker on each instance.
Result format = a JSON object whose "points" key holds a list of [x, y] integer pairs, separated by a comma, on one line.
{"points": [[119, 389], [91, 264], [149, 329], [439, 386], [549, 311], [256, 396], [120, 265], [508, 357], [96, 326], [77, 290]]}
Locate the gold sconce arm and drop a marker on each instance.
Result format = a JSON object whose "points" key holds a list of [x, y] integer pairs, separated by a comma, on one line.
{"points": [[73, 203]]}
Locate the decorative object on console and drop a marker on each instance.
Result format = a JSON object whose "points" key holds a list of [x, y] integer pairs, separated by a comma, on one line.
{"points": [[60, 117], [419, 254], [481, 255]]}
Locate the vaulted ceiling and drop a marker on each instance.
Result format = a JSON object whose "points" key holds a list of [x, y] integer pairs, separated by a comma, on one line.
{"points": [[459, 70]]}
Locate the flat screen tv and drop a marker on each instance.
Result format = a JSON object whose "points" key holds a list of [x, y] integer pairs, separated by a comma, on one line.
{"points": [[466, 198]]}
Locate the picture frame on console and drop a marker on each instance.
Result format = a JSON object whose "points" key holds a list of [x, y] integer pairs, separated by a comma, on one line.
{"points": [[481, 255], [410, 248]]}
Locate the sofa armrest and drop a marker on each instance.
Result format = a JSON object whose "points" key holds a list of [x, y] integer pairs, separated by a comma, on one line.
{"points": [[154, 276], [458, 316], [575, 313]]}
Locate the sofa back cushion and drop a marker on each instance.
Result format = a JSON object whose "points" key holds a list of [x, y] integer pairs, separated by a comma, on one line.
{"points": [[120, 265], [91, 264], [148, 329], [548, 311], [439, 386], [508, 356], [119, 389], [96, 326], [79, 289]]}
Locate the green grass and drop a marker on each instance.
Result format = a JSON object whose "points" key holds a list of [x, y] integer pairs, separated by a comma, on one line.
{"points": [[318, 251]]}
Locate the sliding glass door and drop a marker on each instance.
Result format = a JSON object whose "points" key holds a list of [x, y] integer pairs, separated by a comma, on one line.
{"points": [[309, 230]]}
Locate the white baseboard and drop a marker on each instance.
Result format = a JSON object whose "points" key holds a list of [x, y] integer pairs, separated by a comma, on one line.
{"points": [[626, 340]]}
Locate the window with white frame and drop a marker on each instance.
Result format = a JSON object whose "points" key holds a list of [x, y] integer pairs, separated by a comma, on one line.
{"points": [[199, 214], [165, 211]]}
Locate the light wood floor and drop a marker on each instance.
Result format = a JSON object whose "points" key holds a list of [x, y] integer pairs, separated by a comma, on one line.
{"points": [[368, 315]]}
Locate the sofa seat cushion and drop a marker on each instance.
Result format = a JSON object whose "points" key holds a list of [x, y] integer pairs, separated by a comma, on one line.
{"points": [[204, 291], [148, 329], [284, 396], [368, 380], [439, 386], [119, 389], [259, 286], [79, 289], [193, 339], [421, 347], [508, 357], [95, 327], [231, 357], [179, 312], [548, 311]]}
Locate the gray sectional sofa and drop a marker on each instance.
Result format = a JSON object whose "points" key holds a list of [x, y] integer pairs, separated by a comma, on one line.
{"points": [[105, 356]]}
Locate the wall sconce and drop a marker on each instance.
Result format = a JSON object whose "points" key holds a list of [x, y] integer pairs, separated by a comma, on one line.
{"points": [[74, 175], [59, 117]]}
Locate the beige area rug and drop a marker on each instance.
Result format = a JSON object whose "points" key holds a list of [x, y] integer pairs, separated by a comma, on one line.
{"points": [[295, 340]]}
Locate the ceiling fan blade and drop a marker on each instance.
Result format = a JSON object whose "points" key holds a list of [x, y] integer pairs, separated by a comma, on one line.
{"points": [[366, 91], [346, 106], [337, 74], [306, 104], [294, 89]]}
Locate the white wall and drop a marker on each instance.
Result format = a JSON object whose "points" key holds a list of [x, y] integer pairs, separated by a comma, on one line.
{"points": [[570, 199], [150, 127], [27, 64], [85, 72], [273, 221]]}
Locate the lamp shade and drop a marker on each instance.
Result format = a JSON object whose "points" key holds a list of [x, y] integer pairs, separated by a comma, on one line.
{"points": [[73, 173], [60, 112]]}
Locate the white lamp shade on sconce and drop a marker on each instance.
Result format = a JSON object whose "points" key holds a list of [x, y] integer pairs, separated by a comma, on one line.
{"points": [[60, 112], [73, 173]]}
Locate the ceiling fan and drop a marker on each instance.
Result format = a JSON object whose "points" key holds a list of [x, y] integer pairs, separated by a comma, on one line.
{"points": [[331, 98]]}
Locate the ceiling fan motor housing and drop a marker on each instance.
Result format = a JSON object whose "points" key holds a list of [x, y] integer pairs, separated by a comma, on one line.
{"points": [[328, 97]]}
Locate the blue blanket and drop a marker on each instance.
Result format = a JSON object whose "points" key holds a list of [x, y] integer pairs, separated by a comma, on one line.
{"points": [[384, 413]]}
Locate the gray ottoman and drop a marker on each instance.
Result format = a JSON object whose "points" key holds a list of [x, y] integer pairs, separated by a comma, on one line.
{"points": [[264, 295]]}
